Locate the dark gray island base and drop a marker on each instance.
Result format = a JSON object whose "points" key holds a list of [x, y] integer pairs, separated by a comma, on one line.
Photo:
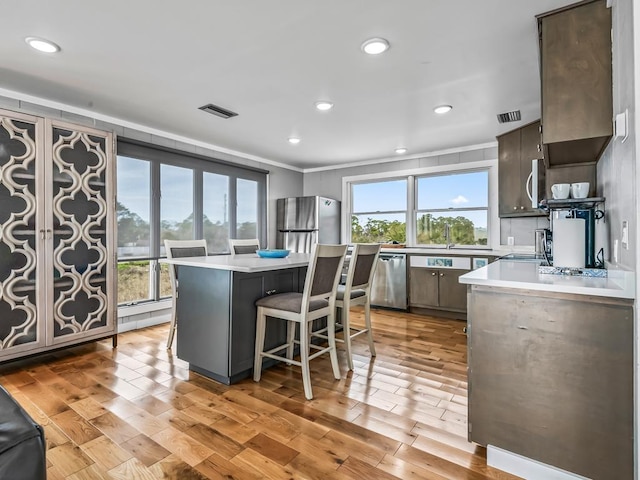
{"points": [[217, 315]]}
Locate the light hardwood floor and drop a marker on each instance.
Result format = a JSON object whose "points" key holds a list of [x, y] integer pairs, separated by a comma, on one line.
{"points": [[136, 412]]}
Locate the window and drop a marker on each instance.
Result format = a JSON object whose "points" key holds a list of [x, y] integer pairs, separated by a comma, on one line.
{"points": [[452, 209], [133, 210], [167, 194], [379, 212], [215, 209], [438, 209]]}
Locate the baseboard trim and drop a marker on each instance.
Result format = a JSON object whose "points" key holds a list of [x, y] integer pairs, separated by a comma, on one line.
{"points": [[143, 323], [526, 467]]}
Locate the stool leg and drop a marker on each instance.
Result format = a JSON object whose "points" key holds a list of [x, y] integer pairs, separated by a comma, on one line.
{"points": [[304, 358], [291, 336], [367, 322], [261, 320], [346, 332], [333, 354], [172, 327]]}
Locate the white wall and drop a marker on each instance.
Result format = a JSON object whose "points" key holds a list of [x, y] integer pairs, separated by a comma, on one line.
{"points": [[617, 167]]}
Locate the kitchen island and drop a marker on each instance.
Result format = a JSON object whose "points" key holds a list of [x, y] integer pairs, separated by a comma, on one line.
{"points": [[216, 309], [550, 370]]}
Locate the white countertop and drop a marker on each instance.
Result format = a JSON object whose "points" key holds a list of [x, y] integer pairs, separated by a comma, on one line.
{"points": [[517, 274], [247, 263], [459, 251]]}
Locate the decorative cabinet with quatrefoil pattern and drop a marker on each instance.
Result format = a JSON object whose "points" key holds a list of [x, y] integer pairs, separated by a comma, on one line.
{"points": [[57, 235]]}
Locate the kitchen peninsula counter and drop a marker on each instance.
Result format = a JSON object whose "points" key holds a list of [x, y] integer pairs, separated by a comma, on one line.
{"points": [[216, 310], [524, 275], [550, 369]]}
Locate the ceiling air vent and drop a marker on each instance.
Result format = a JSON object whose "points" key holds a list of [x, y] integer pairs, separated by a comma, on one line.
{"points": [[509, 116], [218, 111]]}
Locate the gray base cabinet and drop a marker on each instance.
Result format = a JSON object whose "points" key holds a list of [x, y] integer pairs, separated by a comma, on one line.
{"points": [[437, 288], [217, 318], [551, 378]]}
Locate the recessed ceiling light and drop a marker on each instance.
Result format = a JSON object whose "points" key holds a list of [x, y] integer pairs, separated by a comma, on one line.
{"points": [[294, 140], [440, 109], [42, 45], [401, 150], [323, 105], [375, 46]]}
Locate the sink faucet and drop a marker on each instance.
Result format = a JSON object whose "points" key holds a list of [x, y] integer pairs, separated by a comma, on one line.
{"points": [[447, 236]]}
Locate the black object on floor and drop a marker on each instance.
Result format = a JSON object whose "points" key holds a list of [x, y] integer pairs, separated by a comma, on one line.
{"points": [[22, 445]]}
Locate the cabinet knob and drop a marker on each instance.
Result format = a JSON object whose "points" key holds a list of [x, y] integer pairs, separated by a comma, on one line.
{"points": [[442, 274], [521, 208], [270, 292], [515, 208], [539, 148], [433, 274]]}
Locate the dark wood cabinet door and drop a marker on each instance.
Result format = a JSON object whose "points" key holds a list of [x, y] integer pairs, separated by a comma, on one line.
{"points": [[516, 149], [423, 287], [452, 294], [576, 73], [576, 76], [509, 178]]}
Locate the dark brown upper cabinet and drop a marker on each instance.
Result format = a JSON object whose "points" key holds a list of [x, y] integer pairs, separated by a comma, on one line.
{"points": [[516, 149], [575, 65]]}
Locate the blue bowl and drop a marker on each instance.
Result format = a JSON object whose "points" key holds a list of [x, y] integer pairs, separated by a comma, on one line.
{"points": [[275, 253]]}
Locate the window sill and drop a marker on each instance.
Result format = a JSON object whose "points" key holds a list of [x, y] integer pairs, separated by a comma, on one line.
{"points": [[130, 310]]}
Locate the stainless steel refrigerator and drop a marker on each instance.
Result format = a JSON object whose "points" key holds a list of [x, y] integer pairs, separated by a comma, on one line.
{"points": [[303, 221]]}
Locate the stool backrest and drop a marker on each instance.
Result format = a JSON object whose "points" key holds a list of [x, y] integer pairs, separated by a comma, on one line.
{"points": [[179, 249], [238, 246], [323, 274], [362, 266]]}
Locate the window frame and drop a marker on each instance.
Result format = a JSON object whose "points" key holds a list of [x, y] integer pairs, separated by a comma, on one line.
{"points": [[452, 210], [493, 221], [199, 164], [391, 212]]}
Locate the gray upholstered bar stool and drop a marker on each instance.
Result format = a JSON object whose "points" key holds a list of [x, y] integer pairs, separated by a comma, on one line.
{"points": [[357, 291], [179, 249], [239, 246], [316, 301]]}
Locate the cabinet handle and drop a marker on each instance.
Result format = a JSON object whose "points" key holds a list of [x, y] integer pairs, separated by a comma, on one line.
{"points": [[271, 292], [42, 234], [539, 148], [49, 233], [522, 327]]}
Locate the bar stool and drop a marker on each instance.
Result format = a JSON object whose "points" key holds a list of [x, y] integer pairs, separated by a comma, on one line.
{"points": [[178, 249], [357, 291], [316, 301], [239, 246]]}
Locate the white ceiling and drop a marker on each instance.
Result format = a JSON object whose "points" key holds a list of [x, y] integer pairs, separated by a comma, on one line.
{"points": [[154, 62]]}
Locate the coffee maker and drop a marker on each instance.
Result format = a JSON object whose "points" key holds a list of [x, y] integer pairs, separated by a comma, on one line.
{"points": [[588, 213]]}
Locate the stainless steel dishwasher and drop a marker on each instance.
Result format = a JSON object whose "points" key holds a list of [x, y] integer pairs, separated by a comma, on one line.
{"points": [[389, 287]]}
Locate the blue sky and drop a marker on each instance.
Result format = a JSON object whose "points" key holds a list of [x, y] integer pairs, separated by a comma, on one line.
{"points": [[176, 202], [464, 190]]}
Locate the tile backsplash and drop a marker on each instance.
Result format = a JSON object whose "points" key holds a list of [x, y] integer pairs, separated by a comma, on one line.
{"points": [[521, 229]]}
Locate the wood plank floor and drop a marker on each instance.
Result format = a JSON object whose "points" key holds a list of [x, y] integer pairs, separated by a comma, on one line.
{"points": [[136, 412]]}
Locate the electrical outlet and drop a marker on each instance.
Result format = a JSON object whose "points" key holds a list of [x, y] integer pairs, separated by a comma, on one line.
{"points": [[625, 234], [510, 241]]}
